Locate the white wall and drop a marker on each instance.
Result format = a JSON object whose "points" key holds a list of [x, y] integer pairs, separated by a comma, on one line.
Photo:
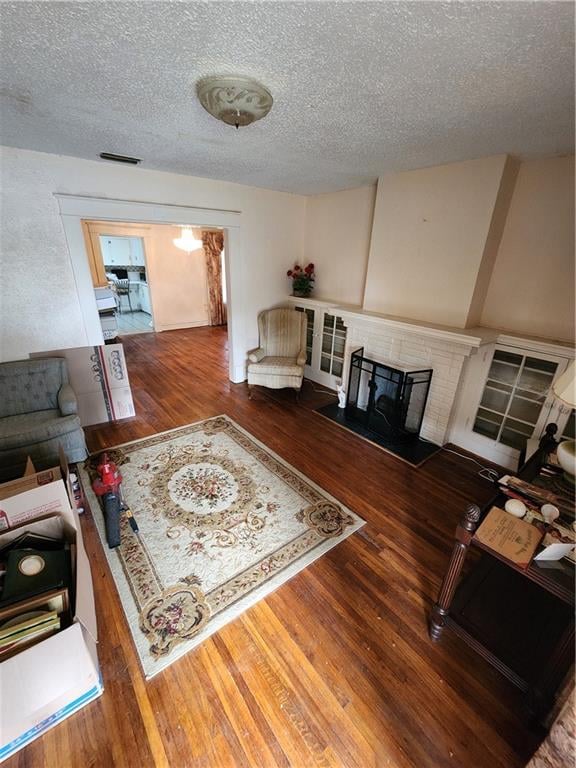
{"points": [[177, 279], [429, 237], [531, 291], [39, 308], [337, 241]]}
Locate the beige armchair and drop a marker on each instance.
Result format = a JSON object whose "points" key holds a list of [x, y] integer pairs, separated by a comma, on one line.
{"points": [[279, 360]]}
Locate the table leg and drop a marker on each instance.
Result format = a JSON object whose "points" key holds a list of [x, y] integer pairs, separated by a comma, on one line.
{"points": [[464, 533]]}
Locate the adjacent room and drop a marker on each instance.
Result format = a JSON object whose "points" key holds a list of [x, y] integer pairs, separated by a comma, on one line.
{"points": [[287, 384]]}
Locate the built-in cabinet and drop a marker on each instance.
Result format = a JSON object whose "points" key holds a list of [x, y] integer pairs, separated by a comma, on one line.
{"points": [[122, 251], [325, 341], [506, 398]]}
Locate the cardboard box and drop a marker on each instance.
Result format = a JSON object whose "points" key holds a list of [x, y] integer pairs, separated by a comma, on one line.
{"points": [[99, 378], [51, 680]]}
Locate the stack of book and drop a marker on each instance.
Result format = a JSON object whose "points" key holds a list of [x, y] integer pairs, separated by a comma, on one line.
{"points": [[36, 587]]}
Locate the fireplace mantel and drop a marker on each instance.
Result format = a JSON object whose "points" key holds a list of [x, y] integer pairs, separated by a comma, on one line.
{"points": [[353, 315]]}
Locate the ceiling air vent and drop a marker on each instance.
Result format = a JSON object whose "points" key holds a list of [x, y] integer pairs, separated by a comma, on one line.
{"points": [[120, 158]]}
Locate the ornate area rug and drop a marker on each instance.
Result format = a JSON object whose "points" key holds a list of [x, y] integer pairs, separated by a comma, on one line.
{"points": [[223, 522]]}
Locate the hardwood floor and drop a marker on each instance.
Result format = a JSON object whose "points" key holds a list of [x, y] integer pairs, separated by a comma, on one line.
{"points": [[333, 669]]}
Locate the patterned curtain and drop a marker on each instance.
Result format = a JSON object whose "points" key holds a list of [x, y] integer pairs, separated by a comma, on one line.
{"points": [[213, 245]]}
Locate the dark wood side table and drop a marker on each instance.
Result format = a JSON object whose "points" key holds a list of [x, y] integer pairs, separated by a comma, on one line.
{"points": [[520, 620]]}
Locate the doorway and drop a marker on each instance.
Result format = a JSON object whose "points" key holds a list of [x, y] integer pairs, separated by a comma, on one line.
{"points": [[156, 283], [75, 208], [117, 256]]}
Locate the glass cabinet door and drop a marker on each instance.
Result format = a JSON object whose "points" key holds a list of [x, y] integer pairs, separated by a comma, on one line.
{"points": [[333, 344], [570, 427], [514, 395], [310, 313]]}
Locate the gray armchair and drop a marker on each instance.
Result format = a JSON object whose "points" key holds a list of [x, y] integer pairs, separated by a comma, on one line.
{"points": [[38, 413]]}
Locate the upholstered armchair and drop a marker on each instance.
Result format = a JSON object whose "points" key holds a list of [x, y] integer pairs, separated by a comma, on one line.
{"points": [[38, 413], [279, 360]]}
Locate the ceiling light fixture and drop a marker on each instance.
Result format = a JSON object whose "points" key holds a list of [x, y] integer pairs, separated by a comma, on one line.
{"points": [[235, 100], [187, 242]]}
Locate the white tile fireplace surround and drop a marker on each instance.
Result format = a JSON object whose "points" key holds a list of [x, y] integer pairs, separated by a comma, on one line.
{"points": [[416, 345]]}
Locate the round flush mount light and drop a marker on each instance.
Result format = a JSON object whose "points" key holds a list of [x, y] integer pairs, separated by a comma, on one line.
{"points": [[235, 100]]}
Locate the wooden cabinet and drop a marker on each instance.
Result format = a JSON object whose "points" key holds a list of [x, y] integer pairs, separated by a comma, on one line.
{"points": [[325, 341], [520, 619]]}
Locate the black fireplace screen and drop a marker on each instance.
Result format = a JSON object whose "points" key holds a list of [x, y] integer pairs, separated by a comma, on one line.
{"points": [[386, 400]]}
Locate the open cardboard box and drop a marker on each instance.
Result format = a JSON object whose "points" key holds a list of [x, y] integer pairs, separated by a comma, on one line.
{"points": [[44, 684]]}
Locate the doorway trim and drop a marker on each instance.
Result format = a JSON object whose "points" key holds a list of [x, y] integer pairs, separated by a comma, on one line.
{"points": [[75, 208]]}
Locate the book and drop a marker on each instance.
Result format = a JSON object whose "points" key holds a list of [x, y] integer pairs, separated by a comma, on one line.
{"points": [[56, 600], [26, 640], [27, 625], [513, 539]]}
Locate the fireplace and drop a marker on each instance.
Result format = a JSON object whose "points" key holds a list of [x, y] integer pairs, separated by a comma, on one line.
{"points": [[388, 400]]}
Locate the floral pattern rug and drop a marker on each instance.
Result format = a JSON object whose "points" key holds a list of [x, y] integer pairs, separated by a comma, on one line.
{"points": [[223, 522]]}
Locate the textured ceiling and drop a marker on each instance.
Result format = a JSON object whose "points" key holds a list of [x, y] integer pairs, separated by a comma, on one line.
{"points": [[360, 88]]}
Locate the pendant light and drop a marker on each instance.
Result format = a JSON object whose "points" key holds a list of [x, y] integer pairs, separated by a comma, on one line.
{"points": [[187, 242]]}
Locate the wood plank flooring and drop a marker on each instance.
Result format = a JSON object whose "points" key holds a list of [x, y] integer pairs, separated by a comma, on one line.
{"points": [[333, 669]]}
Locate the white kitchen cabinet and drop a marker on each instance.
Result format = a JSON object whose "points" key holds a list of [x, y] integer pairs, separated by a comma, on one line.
{"points": [[115, 250], [119, 251], [325, 341], [145, 298], [137, 252]]}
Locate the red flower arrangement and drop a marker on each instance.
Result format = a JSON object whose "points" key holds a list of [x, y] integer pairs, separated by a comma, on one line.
{"points": [[302, 279]]}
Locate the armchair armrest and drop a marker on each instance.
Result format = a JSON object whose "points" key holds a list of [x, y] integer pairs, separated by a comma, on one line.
{"points": [[301, 359], [67, 400], [255, 355]]}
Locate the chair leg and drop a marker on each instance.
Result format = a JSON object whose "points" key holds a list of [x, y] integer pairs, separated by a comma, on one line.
{"points": [[297, 391], [249, 391]]}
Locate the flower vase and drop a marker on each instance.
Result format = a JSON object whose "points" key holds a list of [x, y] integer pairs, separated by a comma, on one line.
{"points": [[301, 294]]}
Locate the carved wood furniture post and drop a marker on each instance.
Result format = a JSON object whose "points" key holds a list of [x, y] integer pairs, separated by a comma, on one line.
{"points": [[464, 533]]}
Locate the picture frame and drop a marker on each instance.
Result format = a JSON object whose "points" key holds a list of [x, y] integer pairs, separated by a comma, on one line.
{"points": [[56, 600]]}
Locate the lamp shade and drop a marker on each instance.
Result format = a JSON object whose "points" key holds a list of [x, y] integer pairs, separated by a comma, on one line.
{"points": [[187, 241], [564, 387]]}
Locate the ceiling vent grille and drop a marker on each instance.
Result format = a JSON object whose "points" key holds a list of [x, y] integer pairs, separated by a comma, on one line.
{"points": [[120, 158]]}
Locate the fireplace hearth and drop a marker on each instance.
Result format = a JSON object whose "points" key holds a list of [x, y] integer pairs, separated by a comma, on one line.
{"points": [[385, 404]]}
